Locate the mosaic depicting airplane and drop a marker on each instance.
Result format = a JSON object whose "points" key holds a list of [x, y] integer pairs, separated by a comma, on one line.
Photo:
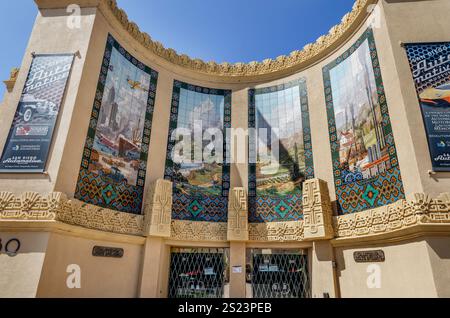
{"points": [[135, 85]]}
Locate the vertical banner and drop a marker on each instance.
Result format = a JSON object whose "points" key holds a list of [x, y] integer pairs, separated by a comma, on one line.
{"points": [[30, 137], [430, 65]]}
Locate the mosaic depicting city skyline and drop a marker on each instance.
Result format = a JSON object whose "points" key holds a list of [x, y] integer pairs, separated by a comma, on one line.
{"points": [[118, 138], [363, 152], [280, 110]]}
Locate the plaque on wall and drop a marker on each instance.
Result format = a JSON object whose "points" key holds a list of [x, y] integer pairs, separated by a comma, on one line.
{"points": [[430, 65], [112, 252], [27, 147], [369, 257]]}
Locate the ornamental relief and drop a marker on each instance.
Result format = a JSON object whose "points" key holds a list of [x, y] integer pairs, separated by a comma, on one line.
{"points": [[419, 209]]}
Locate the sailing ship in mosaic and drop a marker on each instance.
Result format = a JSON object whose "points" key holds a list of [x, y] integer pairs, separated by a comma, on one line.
{"points": [[365, 164], [201, 188], [280, 114], [114, 163]]}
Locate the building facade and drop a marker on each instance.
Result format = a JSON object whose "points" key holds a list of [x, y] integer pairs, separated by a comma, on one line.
{"points": [[97, 200]]}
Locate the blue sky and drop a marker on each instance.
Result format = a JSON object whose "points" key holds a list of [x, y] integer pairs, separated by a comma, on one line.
{"points": [[231, 30]]}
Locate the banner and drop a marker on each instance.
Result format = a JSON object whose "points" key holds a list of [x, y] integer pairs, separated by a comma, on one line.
{"points": [[30, 137], [430, 65]]}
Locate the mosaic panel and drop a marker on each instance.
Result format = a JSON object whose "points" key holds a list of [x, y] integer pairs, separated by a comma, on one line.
{"points": [[275, 191], [201, 189], [114, 164], [365, 164]]}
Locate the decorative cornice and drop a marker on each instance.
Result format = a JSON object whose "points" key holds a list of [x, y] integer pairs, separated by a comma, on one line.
{"points": [[11, 82], [295, 61]]}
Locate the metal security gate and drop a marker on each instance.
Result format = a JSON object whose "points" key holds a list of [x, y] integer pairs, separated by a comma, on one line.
{"points": [[198, 273], [278, 274]]}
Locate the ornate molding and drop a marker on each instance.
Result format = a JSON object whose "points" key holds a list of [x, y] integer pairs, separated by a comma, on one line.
{"points": [[158, 209], [317, 210], [277, 232], [199, 231], [419, 209], [11, 82], [308, 54], [30, 206], [33, 206], [77, 213], [238, 215]]}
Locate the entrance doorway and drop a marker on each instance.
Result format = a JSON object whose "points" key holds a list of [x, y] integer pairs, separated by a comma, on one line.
{"points": [[198, 273], [278, 274]]}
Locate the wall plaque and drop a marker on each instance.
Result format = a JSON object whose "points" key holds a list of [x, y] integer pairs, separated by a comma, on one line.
{"points": [[369, 257], [101, 251]]}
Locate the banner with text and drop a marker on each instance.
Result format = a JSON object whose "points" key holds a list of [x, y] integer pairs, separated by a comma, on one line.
{"points": [[30, 137], [430, 65]]}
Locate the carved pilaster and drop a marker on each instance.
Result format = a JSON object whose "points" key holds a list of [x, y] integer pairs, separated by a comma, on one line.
{"points": [[158, 209], [238, 215], [317, 211]]}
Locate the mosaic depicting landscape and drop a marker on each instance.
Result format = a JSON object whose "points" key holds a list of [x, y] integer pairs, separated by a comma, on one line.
{"points": [[118, 138], [199, 111], [280, 110], [281, 157], [200, 184], [363, 152]]}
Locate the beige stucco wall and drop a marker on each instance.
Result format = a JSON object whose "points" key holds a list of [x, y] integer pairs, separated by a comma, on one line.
{"points": [[100, 277], [407, 271], [412, 269], [20, 275]]}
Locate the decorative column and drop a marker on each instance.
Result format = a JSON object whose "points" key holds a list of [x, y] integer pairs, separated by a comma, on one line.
{"points": [[157, 227], [158, 210], [238, 215], [238, 235], [318, 213], [318, 227]]}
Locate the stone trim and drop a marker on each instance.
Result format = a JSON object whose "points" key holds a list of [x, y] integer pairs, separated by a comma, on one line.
{"points": [[199, 231], [308, 55], [414, 213], [420, 209], [238, 215], [158, 210]]}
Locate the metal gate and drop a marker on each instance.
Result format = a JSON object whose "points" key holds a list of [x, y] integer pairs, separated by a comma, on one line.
{"points": [[278, 274], [198, 273]]}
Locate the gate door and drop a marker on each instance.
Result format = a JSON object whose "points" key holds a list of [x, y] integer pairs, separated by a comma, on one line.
{"points": [[198, 273], [278, 274]]}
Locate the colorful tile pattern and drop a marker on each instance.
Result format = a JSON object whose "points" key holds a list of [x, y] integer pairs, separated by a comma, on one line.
{"points": [[384, 188], [198, 205], [278, 208], [98, 189]]}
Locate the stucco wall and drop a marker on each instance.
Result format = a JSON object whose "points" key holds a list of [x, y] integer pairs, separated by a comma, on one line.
{"points": [[100, 277], [406, 272], [20, 274]]}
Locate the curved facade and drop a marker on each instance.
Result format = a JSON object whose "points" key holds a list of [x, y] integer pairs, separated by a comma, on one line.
{"points": [[354, 183]]}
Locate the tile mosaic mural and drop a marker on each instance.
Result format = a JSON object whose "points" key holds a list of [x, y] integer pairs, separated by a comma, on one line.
{"points": [[275, 190], [365, 164], [201, 187], [114, 164]]}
